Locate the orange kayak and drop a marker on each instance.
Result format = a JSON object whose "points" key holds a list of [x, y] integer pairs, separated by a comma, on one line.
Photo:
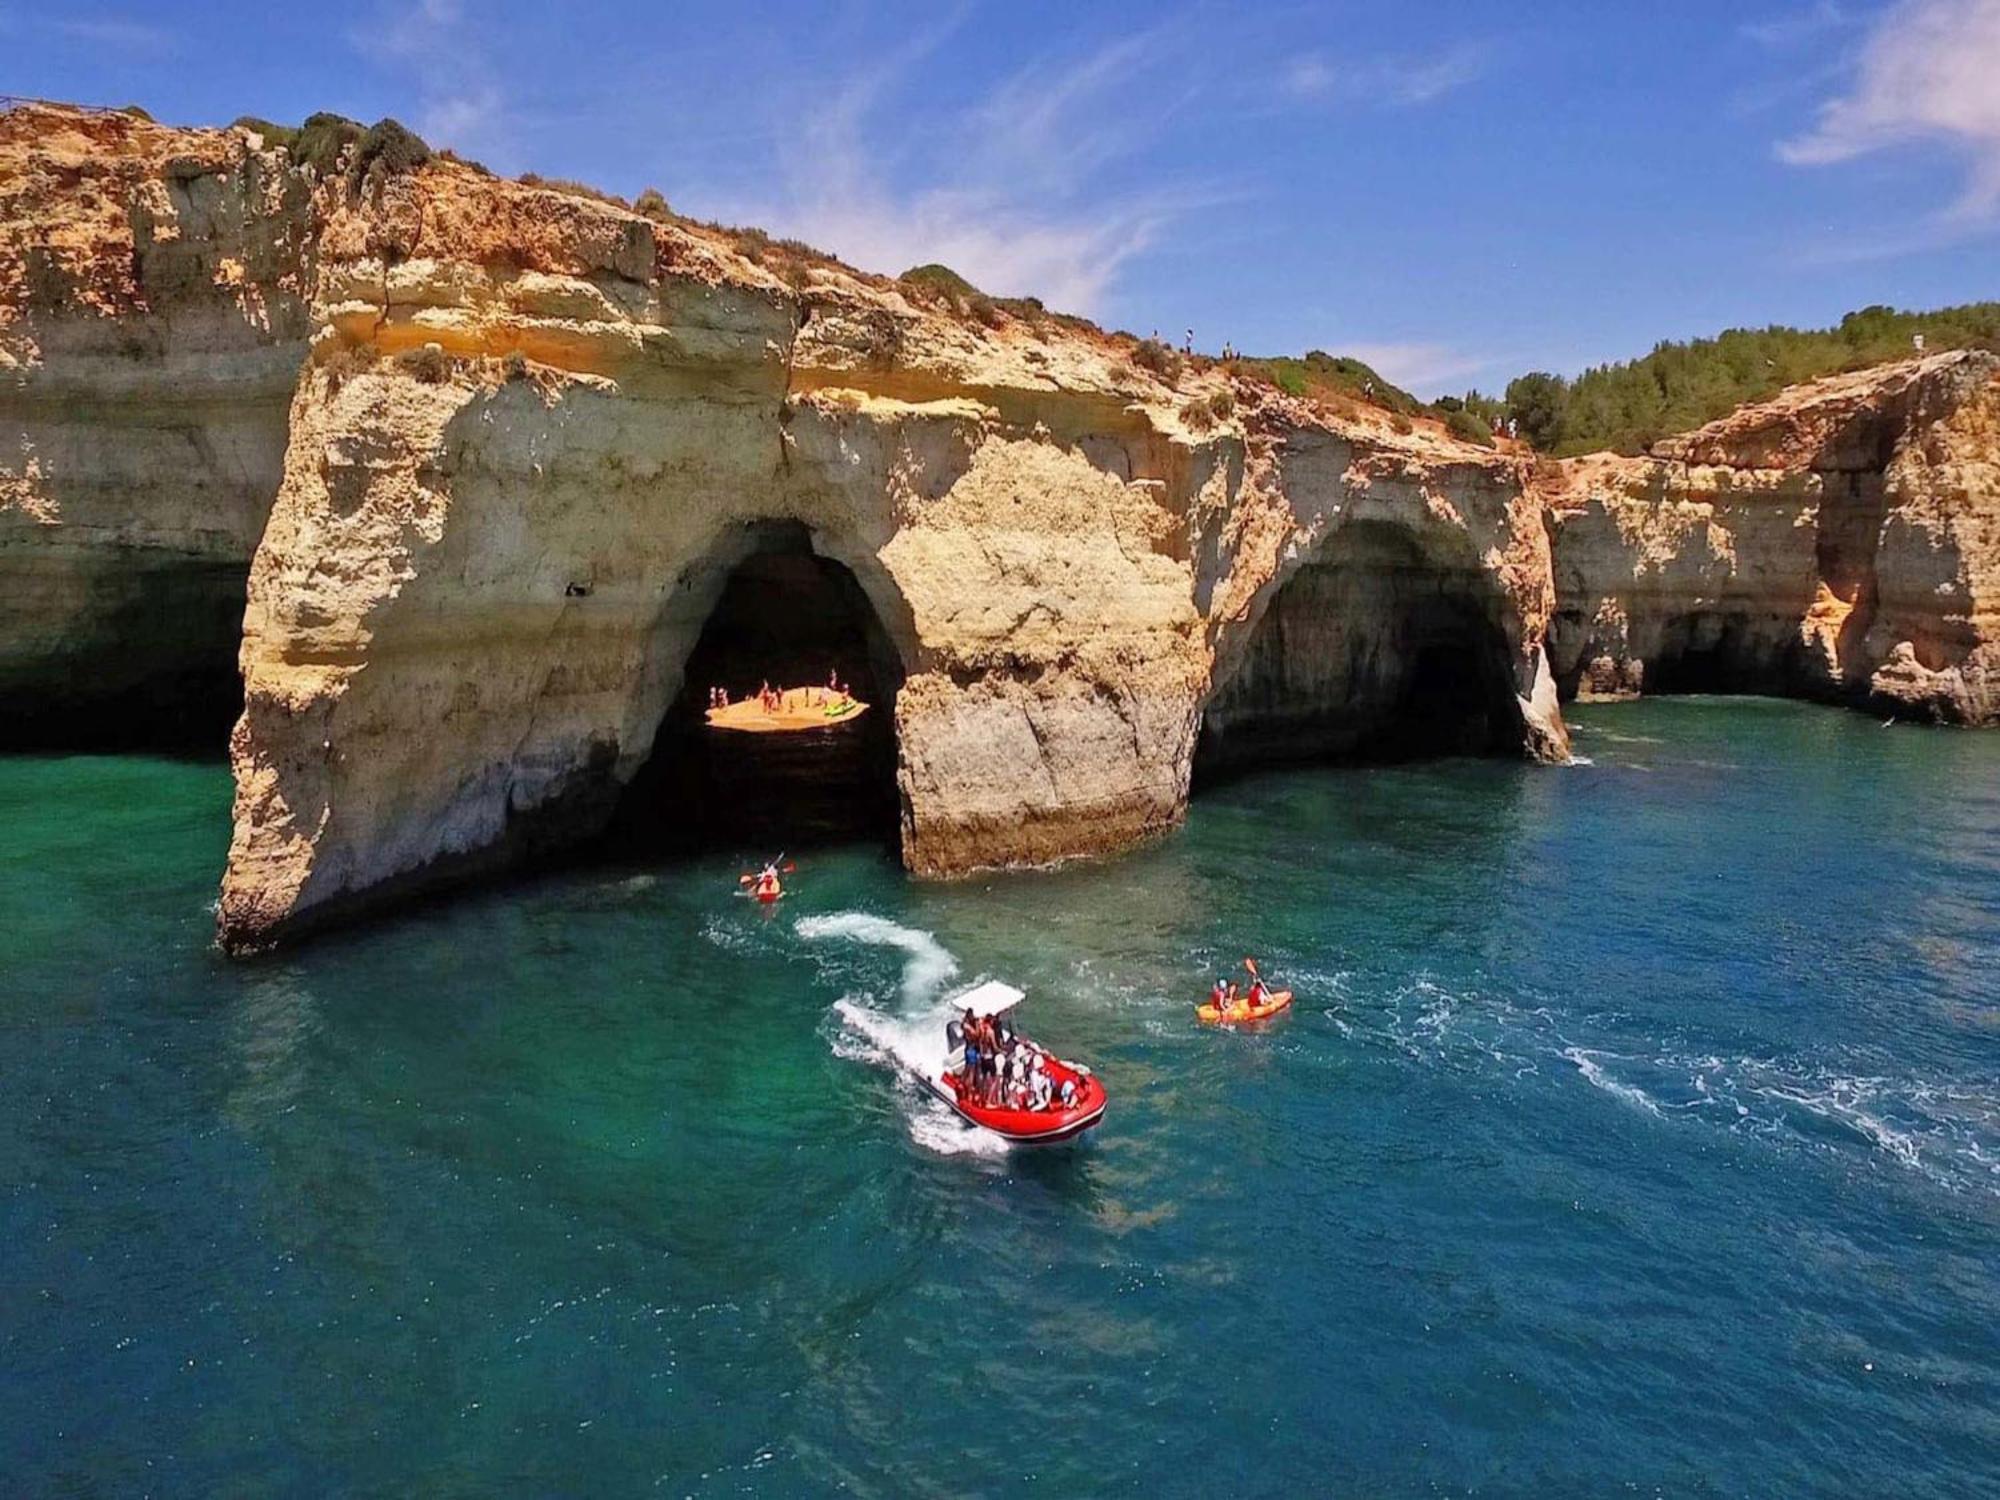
{"points": [[1241, 1011]]}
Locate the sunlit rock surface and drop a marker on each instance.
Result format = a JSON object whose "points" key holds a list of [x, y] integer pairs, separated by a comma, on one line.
{"points": [[151, 333], [1841, 541], [491, 454]]}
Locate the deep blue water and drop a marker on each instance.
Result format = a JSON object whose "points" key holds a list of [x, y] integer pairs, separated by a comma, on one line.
{"points": [[1638, 1131]]}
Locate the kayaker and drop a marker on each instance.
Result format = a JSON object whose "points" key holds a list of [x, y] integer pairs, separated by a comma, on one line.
{"points": [[1258, 993], [1219, 996]]}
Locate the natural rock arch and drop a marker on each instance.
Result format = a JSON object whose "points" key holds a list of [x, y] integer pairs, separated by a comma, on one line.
{"points": [[1384, 644], [770, 602]]}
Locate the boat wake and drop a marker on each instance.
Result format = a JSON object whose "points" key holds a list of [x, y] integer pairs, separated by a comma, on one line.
{"points": [[1947, 1132], [908, 1038]]}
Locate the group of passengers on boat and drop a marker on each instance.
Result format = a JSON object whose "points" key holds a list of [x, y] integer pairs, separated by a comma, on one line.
{"points": [[772, 700], [1003, 1070]]}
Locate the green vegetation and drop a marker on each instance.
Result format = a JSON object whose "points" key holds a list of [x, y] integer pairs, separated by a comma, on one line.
{"points": [[1680, 386], [1321, 375], [1162, 360], [320, 144], [392, 147], [653, 204], [941, 286], [570, 188], [940, 283], [321, 140], [1464, 424], [273, 133], [1538, 403]]}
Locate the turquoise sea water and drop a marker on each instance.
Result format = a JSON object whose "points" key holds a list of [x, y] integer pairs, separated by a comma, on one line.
{"points": [[1638, 1131]]}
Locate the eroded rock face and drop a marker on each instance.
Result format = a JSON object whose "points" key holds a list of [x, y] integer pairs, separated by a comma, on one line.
{"points": [[499, 450], [1840, 542], [152, 328], [536, 433]]}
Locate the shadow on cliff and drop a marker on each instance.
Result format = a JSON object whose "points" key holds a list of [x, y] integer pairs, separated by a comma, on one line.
{"points": [[1377, 650]]}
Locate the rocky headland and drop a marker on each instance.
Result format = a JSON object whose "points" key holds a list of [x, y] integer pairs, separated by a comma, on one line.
{"points": [[473, 463]]}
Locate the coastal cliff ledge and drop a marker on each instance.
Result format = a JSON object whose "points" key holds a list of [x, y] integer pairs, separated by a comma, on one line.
{"points": [[483, 465], [1839, 542]]}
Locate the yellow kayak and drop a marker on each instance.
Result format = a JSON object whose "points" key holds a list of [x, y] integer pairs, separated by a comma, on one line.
{"points": [[1242, 1010]]}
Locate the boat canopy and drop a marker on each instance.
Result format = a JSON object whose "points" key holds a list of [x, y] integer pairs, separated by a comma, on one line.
{"points": [[989, 999]]}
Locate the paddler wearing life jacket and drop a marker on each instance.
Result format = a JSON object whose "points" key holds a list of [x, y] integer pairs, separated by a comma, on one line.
{"points": [[767, 885], [1219, 995], [1258, 993]]}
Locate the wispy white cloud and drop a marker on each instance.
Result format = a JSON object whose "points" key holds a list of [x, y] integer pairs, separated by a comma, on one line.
{"points": [[1928, 71], [1011, 191], [1426, 368], [459, 100], [1404, 81], [1800, 25]]}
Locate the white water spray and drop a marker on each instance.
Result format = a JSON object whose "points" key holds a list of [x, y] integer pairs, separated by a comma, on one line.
{"points": [[912, 1036]]}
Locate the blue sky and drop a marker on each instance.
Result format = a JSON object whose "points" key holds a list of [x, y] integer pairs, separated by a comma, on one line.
{"points": [[1457, 192]]}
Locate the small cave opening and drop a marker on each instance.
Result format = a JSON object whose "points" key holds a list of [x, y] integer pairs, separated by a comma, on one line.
{"points": [[787, 616], [149, 666], [1705, 652], [1373, 651]]}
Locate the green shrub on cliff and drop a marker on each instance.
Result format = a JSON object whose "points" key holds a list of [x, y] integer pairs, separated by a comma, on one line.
{"points": [[321, 140], [1163, 360], [273, 133], [389, 145], [940, 280], [1539, 403], [1332, 375], [1681, 385], [1464, 424]]}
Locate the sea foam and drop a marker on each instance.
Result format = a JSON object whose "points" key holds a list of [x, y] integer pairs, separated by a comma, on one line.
{"points": [[909, 1038]]}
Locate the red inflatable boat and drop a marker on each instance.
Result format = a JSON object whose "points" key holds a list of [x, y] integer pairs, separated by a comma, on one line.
{"points": [[1035, 1127]]}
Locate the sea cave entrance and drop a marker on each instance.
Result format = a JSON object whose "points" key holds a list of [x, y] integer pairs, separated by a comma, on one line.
{"points": [[1378, 649], [785, 614], [149, 664], [1724, 652]]}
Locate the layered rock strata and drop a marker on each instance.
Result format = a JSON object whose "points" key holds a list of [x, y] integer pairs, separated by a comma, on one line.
{"points": [[1840, 542], [492, 454], [536, 433], [152, 328]]}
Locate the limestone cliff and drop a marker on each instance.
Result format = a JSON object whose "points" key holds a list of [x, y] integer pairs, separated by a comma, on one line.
{"points": [[151, 332], [1839, 542], [494, 457], [524, 458]]}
